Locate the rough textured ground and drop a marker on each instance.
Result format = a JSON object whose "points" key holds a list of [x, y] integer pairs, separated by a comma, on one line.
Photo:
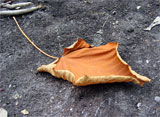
{"points": [[58, 25]]}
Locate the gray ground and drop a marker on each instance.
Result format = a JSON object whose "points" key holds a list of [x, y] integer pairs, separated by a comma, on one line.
{"points": [[58, 25]]}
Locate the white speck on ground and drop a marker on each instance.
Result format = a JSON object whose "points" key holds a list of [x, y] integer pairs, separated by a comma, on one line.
{"points": [[25, 112], [138, 7], [10, 86], [147, 61], [16, 96], [71, 109], [139, 105], [157, 99], [100, 31], [51, 99], [16, 103]]}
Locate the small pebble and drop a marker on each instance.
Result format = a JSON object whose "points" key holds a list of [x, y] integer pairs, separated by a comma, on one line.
{"points": [[14, 86], [139, 105], [100, 31], [157, 99], [24, 112], [71, 109], [114, 13], [147, 61], [3, 112], [10, 86], [138, 7], [115, 23], [16, 103], [16, 96], [51, 99]]}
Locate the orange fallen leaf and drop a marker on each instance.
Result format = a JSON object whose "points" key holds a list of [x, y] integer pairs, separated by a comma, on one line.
{"points": [[83, 64]]}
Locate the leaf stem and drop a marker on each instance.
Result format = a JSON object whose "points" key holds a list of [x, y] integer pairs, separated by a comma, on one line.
{"points": [[53, 57]]}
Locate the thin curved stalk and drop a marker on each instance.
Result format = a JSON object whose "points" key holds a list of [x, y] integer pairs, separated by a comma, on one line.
{"points": [[53, 57]]}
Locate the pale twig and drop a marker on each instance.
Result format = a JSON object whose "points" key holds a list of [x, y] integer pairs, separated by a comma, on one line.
{"points": [[14, 6], [20, 12], [105, 22]]}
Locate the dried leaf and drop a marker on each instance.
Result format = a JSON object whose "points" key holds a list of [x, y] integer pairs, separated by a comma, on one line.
{"points": [[83, 64]]}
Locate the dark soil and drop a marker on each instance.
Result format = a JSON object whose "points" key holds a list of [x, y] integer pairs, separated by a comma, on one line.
{"points": [[57, 25]]}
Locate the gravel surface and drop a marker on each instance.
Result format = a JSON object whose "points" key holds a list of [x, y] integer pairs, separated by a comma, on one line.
{"points": [[57, 25]]}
